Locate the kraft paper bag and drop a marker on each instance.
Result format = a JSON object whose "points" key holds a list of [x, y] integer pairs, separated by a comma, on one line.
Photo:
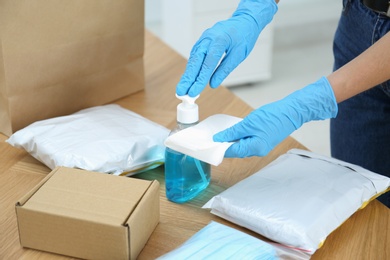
{"points": [[60, 56]]}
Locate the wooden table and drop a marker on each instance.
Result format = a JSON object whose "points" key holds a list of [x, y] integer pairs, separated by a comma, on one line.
{"points": [[365, 235]]}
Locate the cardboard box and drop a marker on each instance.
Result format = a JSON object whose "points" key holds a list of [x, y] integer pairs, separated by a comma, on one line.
{"points": [[89, 215]]}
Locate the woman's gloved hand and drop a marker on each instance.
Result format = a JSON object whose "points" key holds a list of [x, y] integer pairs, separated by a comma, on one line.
{"points": [[234, 37], [264, 128]]}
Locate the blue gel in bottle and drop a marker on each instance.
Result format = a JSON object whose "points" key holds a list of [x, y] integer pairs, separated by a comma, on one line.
{"points": [[185, 176]]}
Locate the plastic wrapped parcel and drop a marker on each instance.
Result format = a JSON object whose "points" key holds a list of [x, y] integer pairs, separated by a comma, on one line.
{"points": [[107, 139], [299, 199]]}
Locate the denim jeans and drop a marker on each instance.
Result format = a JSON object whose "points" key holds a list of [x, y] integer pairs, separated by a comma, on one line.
{"points": [[360, 134]]}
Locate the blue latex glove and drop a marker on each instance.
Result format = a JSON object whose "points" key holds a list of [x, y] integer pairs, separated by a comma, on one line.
{"points": [[259, 132], [234, 37]]}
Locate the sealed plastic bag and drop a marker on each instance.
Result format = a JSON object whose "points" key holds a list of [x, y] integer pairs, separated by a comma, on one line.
{"points": [[217, 241], [107, 139], [299, 199]]}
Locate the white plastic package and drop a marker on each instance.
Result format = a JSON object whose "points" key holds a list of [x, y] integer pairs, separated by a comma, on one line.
{"points": [[107, 139], [197, 141], [299, 199], [217, 241]]}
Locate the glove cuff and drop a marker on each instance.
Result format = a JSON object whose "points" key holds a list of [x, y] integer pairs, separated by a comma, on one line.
{"points": [[317, 101], [324, 95]]}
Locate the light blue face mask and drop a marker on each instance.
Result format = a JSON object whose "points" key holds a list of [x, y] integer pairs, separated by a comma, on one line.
{"points": [[217, 241]]}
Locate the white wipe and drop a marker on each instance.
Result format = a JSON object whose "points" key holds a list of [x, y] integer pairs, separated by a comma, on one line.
{"points": [[299, 199], [107, 139], [197, 141]]}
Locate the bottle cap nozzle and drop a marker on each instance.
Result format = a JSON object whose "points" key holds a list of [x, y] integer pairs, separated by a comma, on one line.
{"points": [[187, 110]]}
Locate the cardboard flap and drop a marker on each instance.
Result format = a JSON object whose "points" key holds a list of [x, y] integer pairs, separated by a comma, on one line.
{"points": [[88, 195], [26, 197]]}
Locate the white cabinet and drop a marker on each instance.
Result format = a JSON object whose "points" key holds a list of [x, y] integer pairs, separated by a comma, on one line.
{"points": [[183, 22]]}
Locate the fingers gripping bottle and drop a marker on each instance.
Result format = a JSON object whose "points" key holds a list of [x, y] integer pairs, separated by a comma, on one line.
{"points": [[185, 176]]}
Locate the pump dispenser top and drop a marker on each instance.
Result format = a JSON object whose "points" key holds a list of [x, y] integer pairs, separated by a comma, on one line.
{"points": [[187, 110]]}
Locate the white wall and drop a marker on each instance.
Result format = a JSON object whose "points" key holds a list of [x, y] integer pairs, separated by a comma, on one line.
{"points": [[152, 11], [295, 22], [293, 12], [305, 21], [301, 9]]}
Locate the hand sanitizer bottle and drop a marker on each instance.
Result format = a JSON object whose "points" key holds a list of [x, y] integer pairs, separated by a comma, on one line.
{"points": [[185, 176]]}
